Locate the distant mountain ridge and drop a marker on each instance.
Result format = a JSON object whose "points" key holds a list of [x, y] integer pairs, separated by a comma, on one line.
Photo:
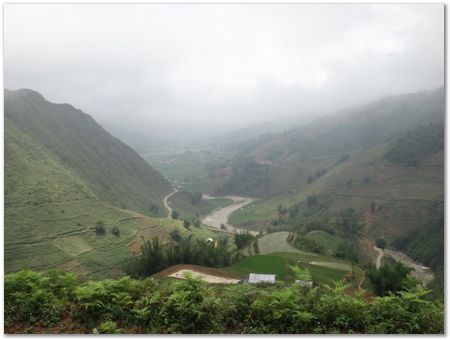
{"points": [[275, 163], [355, 128]]}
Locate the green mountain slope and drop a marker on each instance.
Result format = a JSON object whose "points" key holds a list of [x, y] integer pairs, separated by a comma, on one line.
{"points": [[113, 171], [63, 175], [275, 163], [403, 196]]}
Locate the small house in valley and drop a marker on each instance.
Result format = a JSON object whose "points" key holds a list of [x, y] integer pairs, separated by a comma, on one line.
{"points": [[258, 278]]}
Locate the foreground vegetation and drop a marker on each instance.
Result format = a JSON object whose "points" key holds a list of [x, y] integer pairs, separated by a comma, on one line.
{"points": [[57, 302]]}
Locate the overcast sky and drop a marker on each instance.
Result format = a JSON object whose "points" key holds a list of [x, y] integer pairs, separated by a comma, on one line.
{"points": [[142, 66]]}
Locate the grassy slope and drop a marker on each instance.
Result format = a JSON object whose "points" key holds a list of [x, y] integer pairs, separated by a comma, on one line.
{"points": [[275, 164], [113, 171], [405, 196], [52, 202], [330, 242]]}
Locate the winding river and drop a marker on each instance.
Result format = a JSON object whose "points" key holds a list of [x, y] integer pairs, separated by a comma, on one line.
{"points": [[220, 216]]}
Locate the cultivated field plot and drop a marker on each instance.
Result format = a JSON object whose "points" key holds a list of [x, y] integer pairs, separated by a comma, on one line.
{"points": [[330, 242], [210, 275], [333, 265], [277, 243], [72, 245], [261, 264], [324, 269]]}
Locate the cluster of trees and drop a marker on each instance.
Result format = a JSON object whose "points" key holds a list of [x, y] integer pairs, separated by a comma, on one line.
{"points": [[155, 257], [36, 302], [348, 251], [348, 223], [243, 239], [420, 142], [101, 230], [391, 277], [186, 222], [345, 223], [299, 214]]}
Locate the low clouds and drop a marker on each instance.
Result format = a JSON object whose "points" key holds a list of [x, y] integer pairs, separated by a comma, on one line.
{"points": [[229, 65]]}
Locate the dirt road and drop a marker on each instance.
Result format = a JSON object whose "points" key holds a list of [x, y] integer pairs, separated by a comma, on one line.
{"points": [[166, 203]]}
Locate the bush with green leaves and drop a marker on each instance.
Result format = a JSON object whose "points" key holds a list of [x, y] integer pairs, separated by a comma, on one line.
{"points": [[34, 298], [190, 306], [100, 228], [109, 327], [115, 231]]}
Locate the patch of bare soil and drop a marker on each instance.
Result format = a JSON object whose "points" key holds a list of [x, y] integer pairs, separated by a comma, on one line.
{"points": [[207, 274]]}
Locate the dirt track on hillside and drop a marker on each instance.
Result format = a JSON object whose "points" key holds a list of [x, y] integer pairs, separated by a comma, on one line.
{"points": [[166, 203]]}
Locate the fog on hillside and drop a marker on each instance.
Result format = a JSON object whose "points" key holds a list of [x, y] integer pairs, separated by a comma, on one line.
{"points": [[174, 72], [224, 168]]}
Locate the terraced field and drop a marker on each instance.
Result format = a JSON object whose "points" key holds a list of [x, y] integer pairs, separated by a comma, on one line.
{"points": [[330, 242], [277, 243], [71, 241]]}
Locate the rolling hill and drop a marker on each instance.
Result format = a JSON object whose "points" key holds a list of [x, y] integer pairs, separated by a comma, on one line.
{"points": [[66, 178]]}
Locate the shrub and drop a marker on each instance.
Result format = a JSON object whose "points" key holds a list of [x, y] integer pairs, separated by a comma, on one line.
{"points": [[380, 243], [191, 306], [175, 234], [99, 228], [109, 327], [34, 299], [115, 231]]}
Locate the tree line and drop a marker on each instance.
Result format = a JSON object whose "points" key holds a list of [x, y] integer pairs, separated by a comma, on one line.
{"points": [[155, 257]]}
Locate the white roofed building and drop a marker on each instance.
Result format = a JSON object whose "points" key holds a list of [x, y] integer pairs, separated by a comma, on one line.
{"points": [[257, 278]]}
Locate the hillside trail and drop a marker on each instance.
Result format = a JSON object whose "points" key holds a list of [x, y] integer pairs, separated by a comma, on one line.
{"points": [[379, 257], [166, 203], [361, 283]]}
